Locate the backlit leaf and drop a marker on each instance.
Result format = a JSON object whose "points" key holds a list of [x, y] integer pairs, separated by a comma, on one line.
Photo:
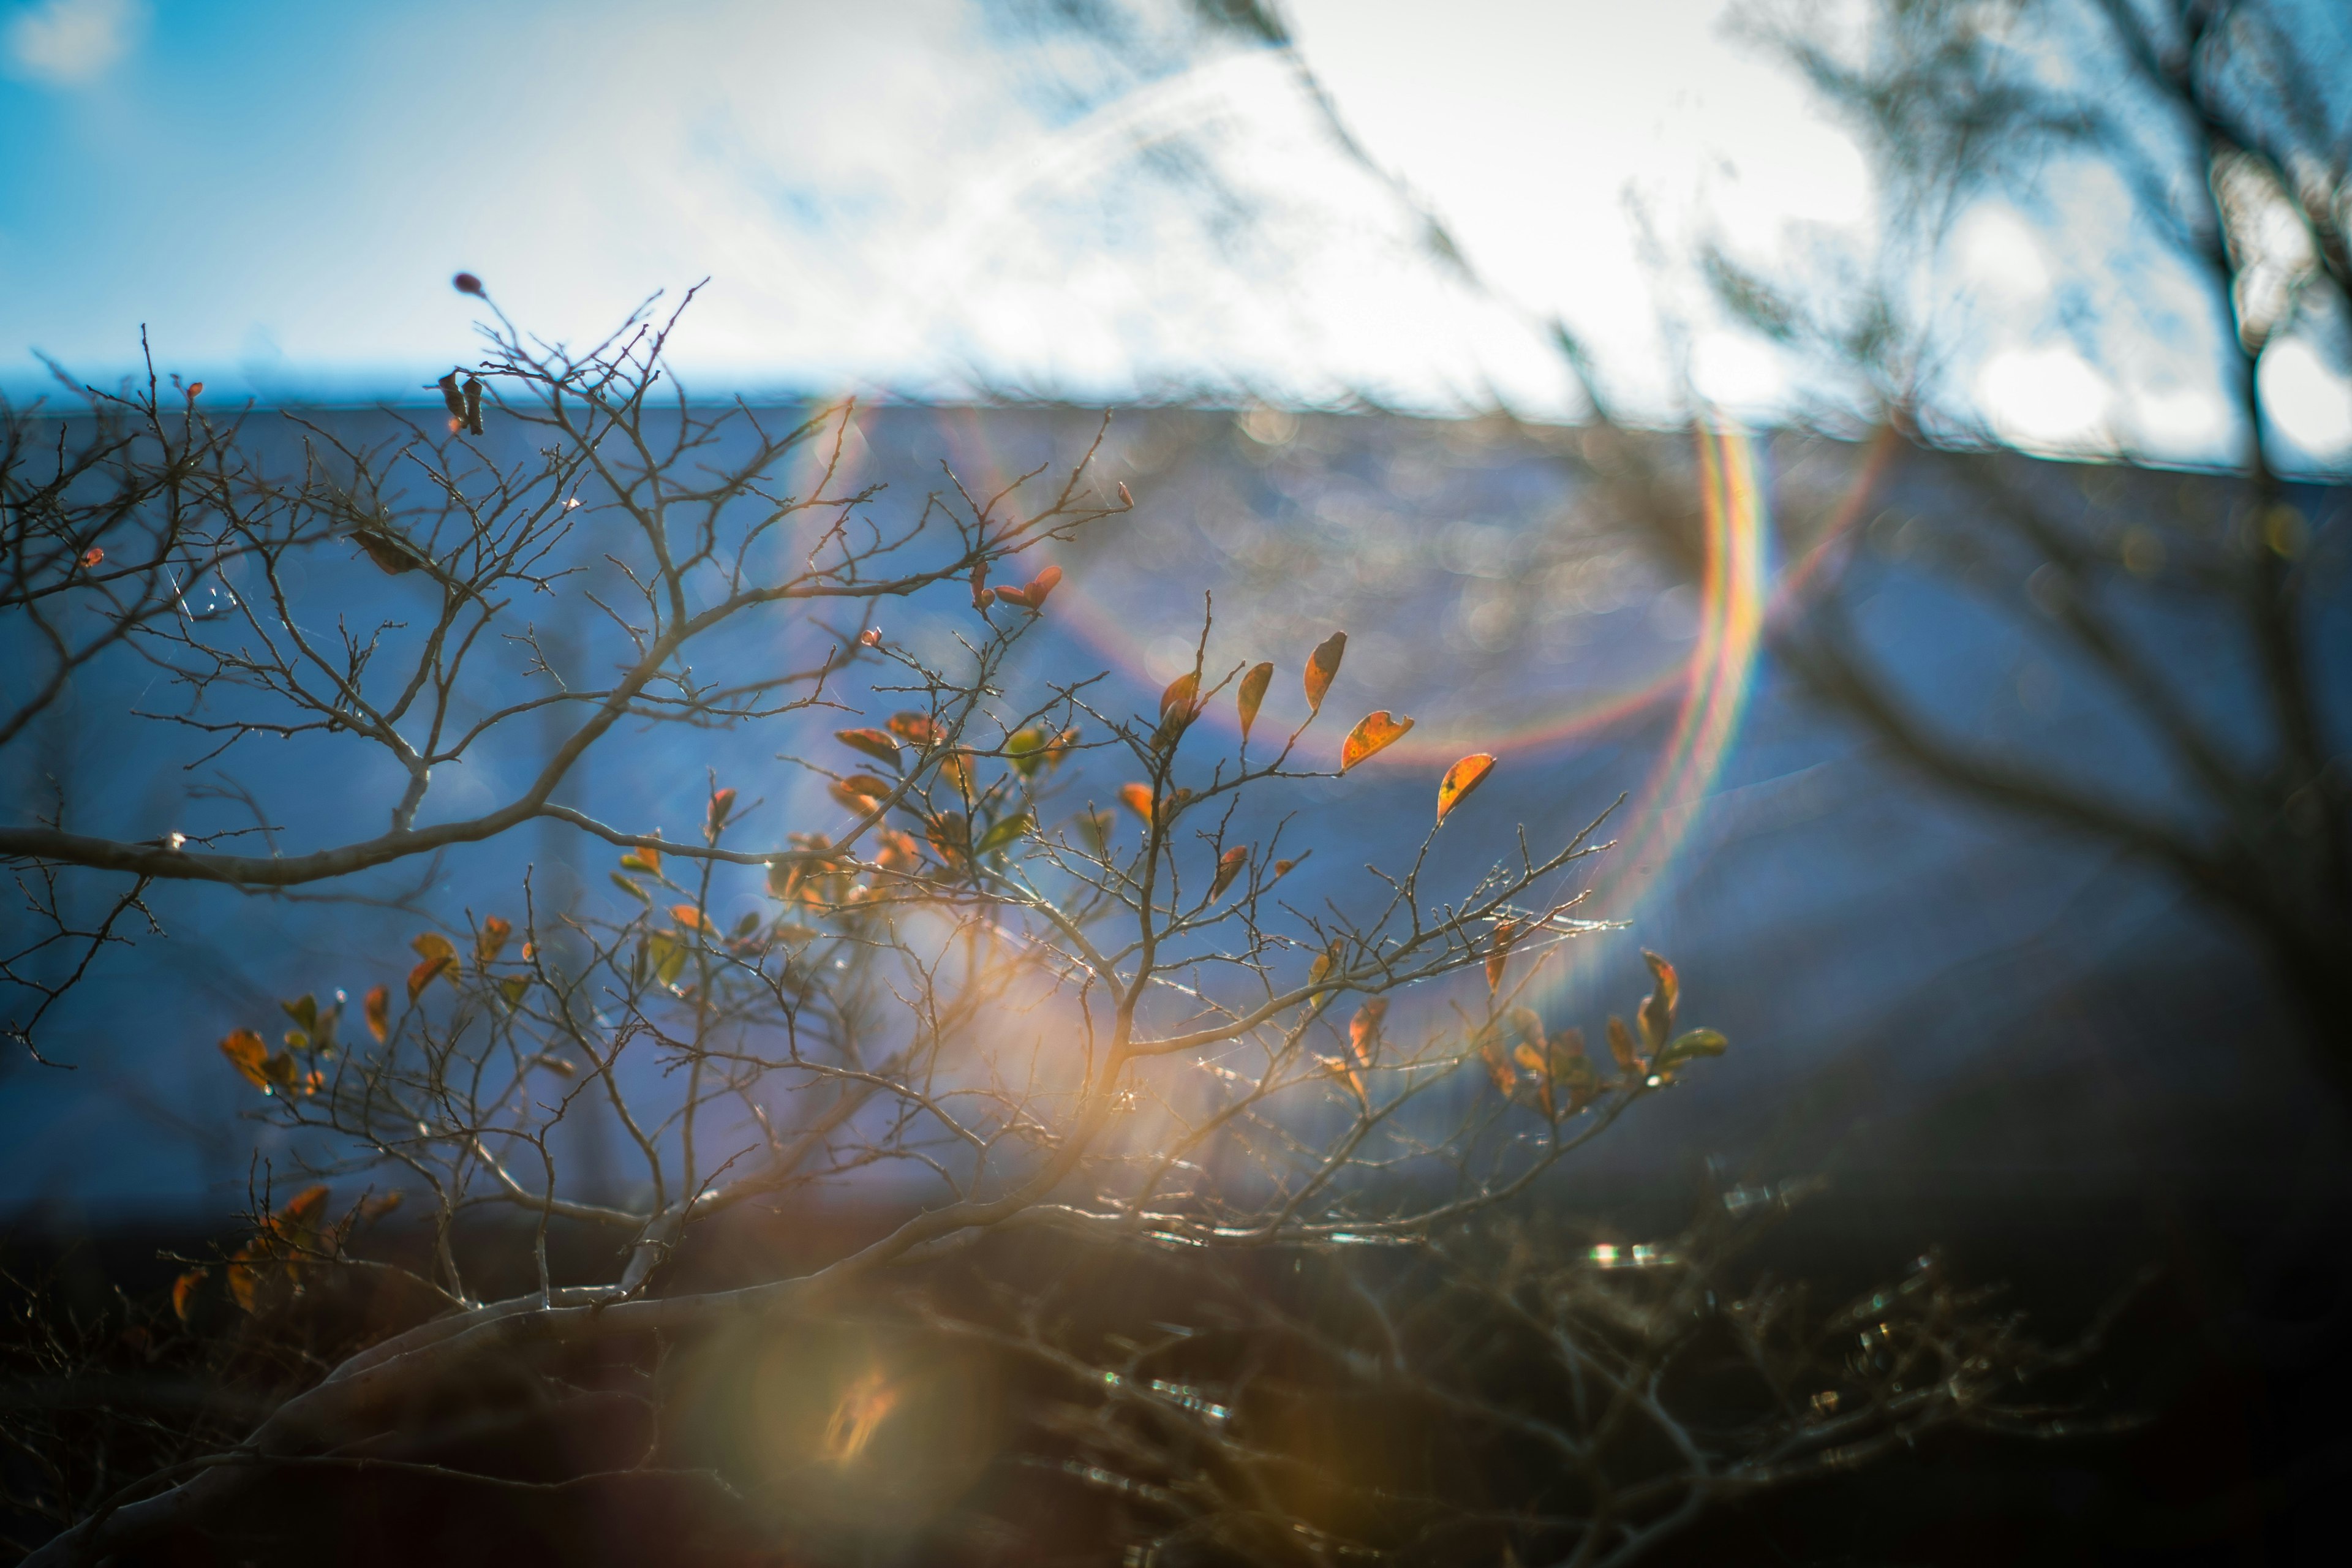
{"points": [[1026, 748], [1322, 665], [1325, 962], [425, 973], [1692, 1043], [1657, 1015], [1506, 933], [688, 917], [247, 1052], [1229, 866], [1373, 733], [915, 729], [1621, 1045], [1252, 693], [514, 987], [1136, 798], [878, 744], [951, 835], [722, 803], [377, 1009], [1005, 831], [666, 956], [644, 857], [184, 1291], [1183, 692], [91, 557], [1460, 780], [634, 889], [433, 944], [1364, 1030], [1498, 1064], [303, 1010]]}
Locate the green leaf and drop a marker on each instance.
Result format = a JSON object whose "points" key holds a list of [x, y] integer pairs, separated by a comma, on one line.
{"points": [[632, 889], [513, 987], [303, 1010], [1005, 832], [1690, 1044], [669, 956], [1026, 751]]}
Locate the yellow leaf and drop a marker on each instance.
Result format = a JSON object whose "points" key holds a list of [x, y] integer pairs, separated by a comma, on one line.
{"points": [[249, 1053], [1460, 780], [1229, 866], [431, 945], [1373, 733], [1252, 693], [378, 1008], [1322, 665], [1183, 692]]}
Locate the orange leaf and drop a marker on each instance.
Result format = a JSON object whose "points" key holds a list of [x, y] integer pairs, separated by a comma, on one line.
{"points": [[424, 974], [184, 1291], [378, 1009], [951, 835], [1136, 798], [686, 915], [1282, 867], [916, 729], [1252, 693], [433, 944], [1460, 780], [247, 1052], [1322, 665], [1044, 582], [1183, 692], [648, 859], [870, 637], [491, 940], [1498, 1065], [1364, 1030], [302, 1213], [1506, 933], [91, 557], [1373, 733], [722, 802], [876, 744], [1229, 866], [196, 389]]}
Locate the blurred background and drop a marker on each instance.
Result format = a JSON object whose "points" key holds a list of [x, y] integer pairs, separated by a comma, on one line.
{"points": [[1982, 715]]}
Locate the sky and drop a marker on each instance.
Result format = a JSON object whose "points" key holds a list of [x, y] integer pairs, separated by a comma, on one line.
{"points": [[921, 197]]}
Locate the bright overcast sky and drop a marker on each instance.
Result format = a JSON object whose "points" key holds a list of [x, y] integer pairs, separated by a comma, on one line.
{"points": [[899, 195]]}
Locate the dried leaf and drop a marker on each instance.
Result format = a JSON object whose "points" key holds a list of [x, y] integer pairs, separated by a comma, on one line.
{"points": [[1229, 866], [1373, 733], [372, 1209], [861, 793], [1282, 867], [451, 398], [433, 944], [1460, 780], [1252, 693], [1136, 798], [377, 1009], [249, 1053], [1498, 1064], [1364, 1030], [876, 744], [491, 940], [722, 804], [1322, 665], [1506, 933], [915, 729], [184, 1291], [951, 835]]}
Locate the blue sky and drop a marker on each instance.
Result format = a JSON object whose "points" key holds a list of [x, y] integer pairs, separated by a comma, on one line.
{"points": [[901, 196]]}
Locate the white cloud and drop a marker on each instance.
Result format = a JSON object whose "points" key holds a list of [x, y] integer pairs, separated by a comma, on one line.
{"points": [[70, 42], [2046, 398]]}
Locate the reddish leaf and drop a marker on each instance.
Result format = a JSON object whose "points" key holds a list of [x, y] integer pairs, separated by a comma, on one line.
{"points": [[1373, 733], [877, 743], [1252, 693], [91, 557], [687, 916], [722, 802], [1044, 582], [196, 389], [466, 283], [378, 1010], [1322, 665], [1229, 866], [249, 1054], [915, 729], [870, 637], [1460, 780], [425, 973]]}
